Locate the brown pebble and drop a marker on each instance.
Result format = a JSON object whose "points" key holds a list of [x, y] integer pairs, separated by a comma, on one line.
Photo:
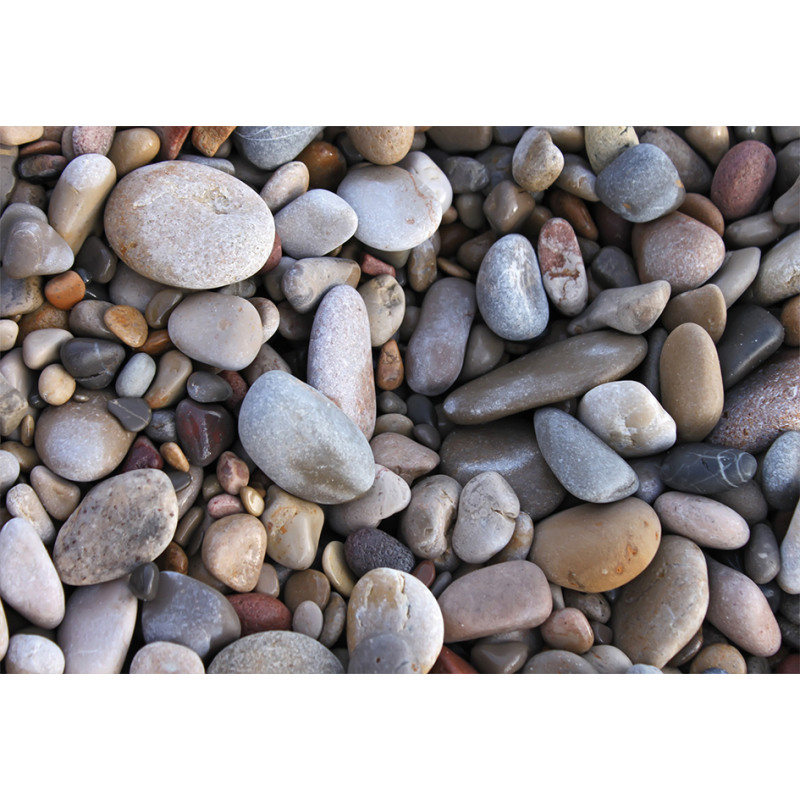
{"points": [[374, 266], [127, 324], [233, 473], [448, 663], [208, 138], [568, 629], [704, 306], [259, 612], [142, 455], [703, 210], [719, 656], [46, 316], [575, 211], [156, 343], [65, 290], [173, 559], [307, 584], [326, 165], [790, 319], [425, 571], [449, 267], [40, 147], [174, 456], [390, 371], [742, 179]]}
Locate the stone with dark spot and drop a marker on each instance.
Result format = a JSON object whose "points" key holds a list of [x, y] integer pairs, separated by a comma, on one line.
{"points": [[704, 468], [383, 654]]}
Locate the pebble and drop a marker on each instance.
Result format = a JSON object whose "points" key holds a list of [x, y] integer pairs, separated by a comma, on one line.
{"points": [[762, 557], [641, 184], [584, 465], [761, 407], [484, 351], [303, 441], [786, 209], [703, 520], [336, 569], [78, 197], [704, 468], [3, 632], [691, 387], [607, 659], [658, 613], [556, 372], [133, 413], [127, 324], [293, 528], [521, 313], [20, 296], [382, 144], [789, 575], [577, 177], [121, 523], [173, 371], [86, 320], [260, 612], [507, 207], [92, 362], [32, 247], [778, 275], [427, 519], [605, 142], [276, 652], [718, 657], [387, 600], [133, 148], [394, 211], [134, 379], [568, 629], [82, 441], [270, 146], [742, 178], [188, 612], [143, 581], [204, 431], [562, 269], [233, 550], [217, 329], [307, 280], [739, 610], [315, 223], [382, 654], [596, 548], [628, 418], [307, 619], [187, 225], [166, 658], [370, 548], [388, 495], [340, 356], [712, 141], [558, 662], [643, 669], [487, 512], [780, 471], [29, 654], [537, 162], [98, 628], [9, 471], [403, 456], [22, 501], [427, 172], [386, 304], [29, 582], [287, 183], [465, 174], [703, 210], [692, 169], [705, 306], [754, 231], [678, 249]]}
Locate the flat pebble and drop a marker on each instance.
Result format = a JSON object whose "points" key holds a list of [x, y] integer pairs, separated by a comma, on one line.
{"points": [[166, 658], [702, 520], [303, 441], [595, 548], [762, 558], [315, 223], [389, 601], [558, 662], [789, 575], [778, 275], [403, 456]]}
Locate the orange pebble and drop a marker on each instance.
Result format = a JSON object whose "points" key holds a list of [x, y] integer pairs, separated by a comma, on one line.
{"points": [[127, 324], [157, 342], [65, 290]]}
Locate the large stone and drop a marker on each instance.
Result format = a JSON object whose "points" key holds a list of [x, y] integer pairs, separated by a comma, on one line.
{"points": [[303, 441], [276, 652], [188, 225]]}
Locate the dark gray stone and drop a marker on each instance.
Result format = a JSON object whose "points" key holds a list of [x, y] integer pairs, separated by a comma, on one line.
{"points": [[706, 468], [613, 268], [762, 556], [790, 607], [133, 413], [370, 548], [427, 435], [641, 184], [390, 403], [162, 426], [751, 336], [420, 409], [466, 174], [92, 362], [206, 387], [96, 260], [384, 654], [143, 581]]}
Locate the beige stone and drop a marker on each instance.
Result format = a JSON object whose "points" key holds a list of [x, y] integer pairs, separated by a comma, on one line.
{"points": [[293, 528], [705, 306], [133, 148], [705, 521], [234, 549], [605, 142]]}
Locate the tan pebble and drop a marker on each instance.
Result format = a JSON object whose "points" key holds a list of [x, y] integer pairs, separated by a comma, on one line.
{"points": [[703, 210], [133, 149], [568, 629], [790, 319], [65, 290], [287, 183], [335, 618], [711, 141], [22, 501], [268, 582], [208, 138], [14, 135], [9, 330], [537, 162], [166, 658], [293, 528], [56, 386], [128, 324], [382, 144], [719, 656], [252, 501], [306, 584], [174, 369], [334, 565], [233, 551], [390, 371], [174, 456], [691, 382], [26, 430], [605, 142], [704, 306], [42, 347]]}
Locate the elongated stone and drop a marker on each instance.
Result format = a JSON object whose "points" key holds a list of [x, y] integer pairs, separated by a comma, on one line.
{"points": [[704, 468], [707, 522], [546, 376], [562, 268], [509, 289], [429, 515], [583, 463], [303, 441], [495, 599], [122, 523], [789, 575], [659, 612], [340, 356]]}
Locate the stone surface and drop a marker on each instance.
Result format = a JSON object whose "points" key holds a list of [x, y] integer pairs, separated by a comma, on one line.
{"points": [[121, 523], [204, 431], [495, 599], [509, 290], [188, 225], [537, 162], [29, 654], [233, 550], [427, 172], [403, 456], [778, 275], [370, 548], [307, 280], [704, 306], [595, 548], [389, 601], [703, 520], [166, 658], [704, 468], [382, 654], [32, 247], [789, 575], [270, 146], [549, 375], [562, 268], [276, 652], [739, 269], [762, 558], [394, 211], [780, 471], [605, 142], [315, 223], [382, 144], [584, 465], [568, 629], [742, 178], [303, 441], [259, 612], [386, 304], [429, 515]]}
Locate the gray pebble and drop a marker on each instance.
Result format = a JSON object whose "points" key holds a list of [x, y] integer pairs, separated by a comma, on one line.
{"points": [[384, 654], [780, 471], [206, 387], [270, 146], [133, 413], [135, 377]]}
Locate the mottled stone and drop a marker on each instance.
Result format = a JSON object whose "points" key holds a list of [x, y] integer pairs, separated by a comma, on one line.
{"points": [[739, 610], [260, 612], [303, 441], [536, 162], [705, 306], [641, 184], [509, 290], [370, 548], [123, 522], [187, 225], [204, 431], [276, 652], [585, 465], [495, 599], [233, 550], [742, 178], [762, 558], [595, 548], [556, 372], [562, 269], [429, 515], [426, 172], [605, 142], [780, 471], [704, 468], [389, 601], [166, 658], [386, 304]]}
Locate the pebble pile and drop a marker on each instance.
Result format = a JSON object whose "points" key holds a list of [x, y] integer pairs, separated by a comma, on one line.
{"points": [[397, 399]]}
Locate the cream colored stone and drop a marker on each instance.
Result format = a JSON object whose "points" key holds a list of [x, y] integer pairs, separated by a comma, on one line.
{"points": [[233, 550], [293, 528]]}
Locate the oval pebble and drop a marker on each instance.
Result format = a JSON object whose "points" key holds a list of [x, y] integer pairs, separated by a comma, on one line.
{"points": [[166, 658], [702, 520], [29, 654], [315, 223]]}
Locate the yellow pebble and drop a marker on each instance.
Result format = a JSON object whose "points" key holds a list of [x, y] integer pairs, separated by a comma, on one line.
{"points": [[173, 455], [252, 501]]}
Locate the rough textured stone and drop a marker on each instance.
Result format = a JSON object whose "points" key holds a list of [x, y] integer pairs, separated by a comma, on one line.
{"points": [[537, 162], [369, 548], [166, 658], [276, 652], [743, 177]]}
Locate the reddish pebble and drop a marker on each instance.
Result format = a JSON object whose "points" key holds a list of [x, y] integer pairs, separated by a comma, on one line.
{"points": [[742, 179], [260, 612], [208, 138], [65, 290], [92, 139], [42, 147], [425, 571], [790, 665], [173, 559], [575, 211], [390, 371], [127, 324], [374, 266], [156, 343], [274, 257], [142, 455], [612, 228], [172, 138], [223, 505], [448, 663], [233, 473], [239, 386]]}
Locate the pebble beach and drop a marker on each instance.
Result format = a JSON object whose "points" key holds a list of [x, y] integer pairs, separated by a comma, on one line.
{"points": [[400, 400]]}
